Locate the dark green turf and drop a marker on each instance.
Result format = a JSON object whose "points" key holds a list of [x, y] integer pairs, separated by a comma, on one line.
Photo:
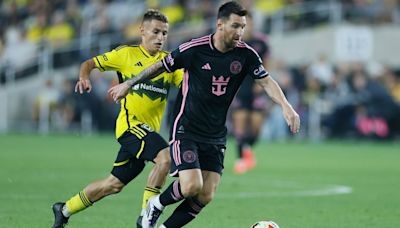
{"points": [[291, 185]]}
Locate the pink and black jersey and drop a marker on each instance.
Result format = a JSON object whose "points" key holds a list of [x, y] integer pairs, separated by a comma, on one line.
{"points": [[211, 80]]}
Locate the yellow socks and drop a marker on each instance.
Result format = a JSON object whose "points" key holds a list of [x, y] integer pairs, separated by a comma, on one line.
{"points": [[149, 192], [78, 203]]}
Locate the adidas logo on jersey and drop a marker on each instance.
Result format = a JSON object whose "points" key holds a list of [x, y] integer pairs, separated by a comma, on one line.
{"points": [[138, 64], [206, 66]]}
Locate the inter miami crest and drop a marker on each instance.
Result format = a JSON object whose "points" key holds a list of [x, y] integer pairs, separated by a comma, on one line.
{"points": [[236, 67]]}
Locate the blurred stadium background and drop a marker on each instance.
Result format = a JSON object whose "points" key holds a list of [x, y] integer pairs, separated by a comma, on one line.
{"points": [[336, 60]]}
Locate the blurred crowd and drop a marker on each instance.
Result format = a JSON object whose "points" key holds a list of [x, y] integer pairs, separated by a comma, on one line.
{"points": [[354, 99]]}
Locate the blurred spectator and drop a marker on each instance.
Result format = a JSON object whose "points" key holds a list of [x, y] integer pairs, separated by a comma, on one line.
{"points": [[45, 106], [392, 83], [371, 11], [321, 70], [60, 33], [18, 52], [270, 7], [37, 28], [68, 114], [13, 12], [73, 14], [175, 13]]}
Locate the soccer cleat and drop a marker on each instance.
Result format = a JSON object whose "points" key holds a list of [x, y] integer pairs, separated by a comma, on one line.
{"points": [[139, 222], [139, 219], [152, 213], [59, 219], [240, 167], [249, 158]]}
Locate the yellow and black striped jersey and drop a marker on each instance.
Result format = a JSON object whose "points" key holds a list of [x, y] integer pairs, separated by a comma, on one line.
{"points": [[146, 101]]}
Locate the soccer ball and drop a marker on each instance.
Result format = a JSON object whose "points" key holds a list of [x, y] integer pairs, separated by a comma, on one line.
{"points": [[265, 224]]}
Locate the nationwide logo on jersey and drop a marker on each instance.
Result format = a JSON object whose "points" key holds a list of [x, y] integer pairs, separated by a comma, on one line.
{"points": [[236, 67], [219, 85], [152, 89]]}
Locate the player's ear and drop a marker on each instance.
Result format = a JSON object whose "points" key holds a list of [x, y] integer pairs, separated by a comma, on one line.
{"points": [[220, 24], [141, 29]]}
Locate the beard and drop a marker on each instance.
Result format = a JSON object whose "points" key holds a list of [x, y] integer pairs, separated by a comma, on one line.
{"points": [[230, 44]]}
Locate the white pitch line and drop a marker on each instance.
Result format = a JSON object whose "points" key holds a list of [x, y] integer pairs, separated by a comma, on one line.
{"points": [[325, 191]]}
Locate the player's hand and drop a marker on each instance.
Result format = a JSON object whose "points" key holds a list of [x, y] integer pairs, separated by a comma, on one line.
{"points": [[119, 91], [292, 119], [83, 85]]}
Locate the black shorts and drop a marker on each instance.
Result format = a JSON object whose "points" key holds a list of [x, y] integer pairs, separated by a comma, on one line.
{"points": [[138, 144], [189, 154]]}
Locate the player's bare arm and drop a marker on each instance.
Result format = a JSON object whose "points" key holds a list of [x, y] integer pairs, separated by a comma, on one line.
{"points": [[83, 83], [275, 92], [120, 91]]}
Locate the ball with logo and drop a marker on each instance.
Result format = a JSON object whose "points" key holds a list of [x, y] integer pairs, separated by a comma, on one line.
{"points": [[265, 224]]}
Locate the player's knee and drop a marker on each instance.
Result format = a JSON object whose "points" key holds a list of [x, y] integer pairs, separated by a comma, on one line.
{"points": [[113, 186], [191, 189], [116, 188], [206, 197]]}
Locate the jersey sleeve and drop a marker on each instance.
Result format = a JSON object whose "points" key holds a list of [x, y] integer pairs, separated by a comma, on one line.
{"points": [[255, 66], [179, 58], [110, 61]]}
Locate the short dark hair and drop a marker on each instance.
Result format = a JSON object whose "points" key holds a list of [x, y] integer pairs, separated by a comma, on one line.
{"points": [[229, 8], [153, 14]]}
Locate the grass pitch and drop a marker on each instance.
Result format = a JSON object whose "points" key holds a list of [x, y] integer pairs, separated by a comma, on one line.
{"points": [[336, 184]]}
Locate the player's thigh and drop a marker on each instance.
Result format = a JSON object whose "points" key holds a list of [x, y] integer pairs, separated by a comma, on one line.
{"points": [[184, 156], [239, 118], [256, 121], [126, 167], [163, 156], [137, 146], [151, 142]]}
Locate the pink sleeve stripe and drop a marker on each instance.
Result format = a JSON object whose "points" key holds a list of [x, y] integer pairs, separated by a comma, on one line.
{"points": [[244, 45], [191, 43], [194, 40], [194, 45], [185, 89]]}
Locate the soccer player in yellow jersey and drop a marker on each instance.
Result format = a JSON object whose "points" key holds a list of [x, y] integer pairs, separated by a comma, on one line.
{"points": [[138, 121]]}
